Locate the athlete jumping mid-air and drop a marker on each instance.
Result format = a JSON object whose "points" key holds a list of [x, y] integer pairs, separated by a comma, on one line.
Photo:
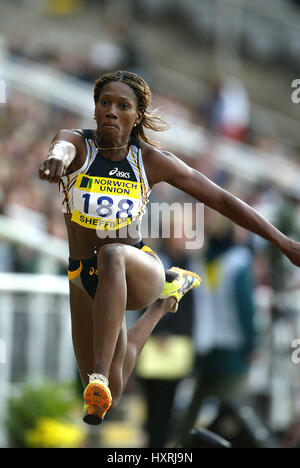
{"points": [[105, 177]]}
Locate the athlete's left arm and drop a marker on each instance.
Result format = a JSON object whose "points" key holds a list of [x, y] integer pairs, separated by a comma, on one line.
{"points": [[165, 167]]}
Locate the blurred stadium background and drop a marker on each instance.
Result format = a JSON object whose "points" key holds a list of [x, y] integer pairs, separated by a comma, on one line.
{"points": [[221, 71]]}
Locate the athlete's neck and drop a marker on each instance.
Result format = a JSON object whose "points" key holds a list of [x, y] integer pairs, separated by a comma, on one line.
{"points": [[113, 150]]}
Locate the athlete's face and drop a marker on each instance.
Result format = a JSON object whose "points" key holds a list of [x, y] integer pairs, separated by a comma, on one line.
{"points": [[116, 111]]}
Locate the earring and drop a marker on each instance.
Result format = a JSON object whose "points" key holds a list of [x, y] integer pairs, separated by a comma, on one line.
{"points": [[94, 117]]}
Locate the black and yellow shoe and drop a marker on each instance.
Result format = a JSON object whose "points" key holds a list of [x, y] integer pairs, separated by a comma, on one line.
{"points": [[97, 400], [183, 282]]}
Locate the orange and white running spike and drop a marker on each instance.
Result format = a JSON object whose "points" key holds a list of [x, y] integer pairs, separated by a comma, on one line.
{"points": [[97, 401]]}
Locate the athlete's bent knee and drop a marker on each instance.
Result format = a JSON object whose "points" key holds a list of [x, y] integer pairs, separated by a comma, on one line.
{"points": [[111, 255]]}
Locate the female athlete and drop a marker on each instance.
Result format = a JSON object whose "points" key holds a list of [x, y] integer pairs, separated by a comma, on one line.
{"points": [[105, 178]]}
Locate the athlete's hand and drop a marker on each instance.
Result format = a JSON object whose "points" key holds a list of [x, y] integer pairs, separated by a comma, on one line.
{"points": [[52, 169], [292, 252]]}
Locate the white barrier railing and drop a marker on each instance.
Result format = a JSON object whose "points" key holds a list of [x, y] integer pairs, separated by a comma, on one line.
{"points": [[35, 332], [26, 234]]}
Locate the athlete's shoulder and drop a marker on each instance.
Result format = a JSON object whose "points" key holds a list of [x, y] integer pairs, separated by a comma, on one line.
{"points": [[155, 162], [87, 133], [163, 166], [76, 132], [66, 134], [156, 156], [76, 136]]}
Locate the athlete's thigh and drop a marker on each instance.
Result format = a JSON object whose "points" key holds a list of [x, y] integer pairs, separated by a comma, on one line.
{"points": [[82, 331], [145, 277]]}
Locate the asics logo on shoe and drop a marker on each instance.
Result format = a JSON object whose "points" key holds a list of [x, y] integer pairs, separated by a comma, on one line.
{"points": [[115, 171], [186, 285]]}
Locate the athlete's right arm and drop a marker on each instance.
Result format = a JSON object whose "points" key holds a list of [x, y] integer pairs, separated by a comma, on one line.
{"points": [[65, 148]]}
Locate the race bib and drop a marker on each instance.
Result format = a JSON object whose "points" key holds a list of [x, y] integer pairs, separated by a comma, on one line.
{"points": [[105, 203]]}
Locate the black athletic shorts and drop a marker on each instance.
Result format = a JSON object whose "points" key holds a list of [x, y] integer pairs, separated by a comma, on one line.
{"points": [[84, 273]]}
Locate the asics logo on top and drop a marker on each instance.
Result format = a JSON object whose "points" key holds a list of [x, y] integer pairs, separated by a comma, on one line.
{"points": [[116, 172], [113, 171]]}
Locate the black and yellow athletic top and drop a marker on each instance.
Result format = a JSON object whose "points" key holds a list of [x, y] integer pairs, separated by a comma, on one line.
{"points": [[104, 194]]}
